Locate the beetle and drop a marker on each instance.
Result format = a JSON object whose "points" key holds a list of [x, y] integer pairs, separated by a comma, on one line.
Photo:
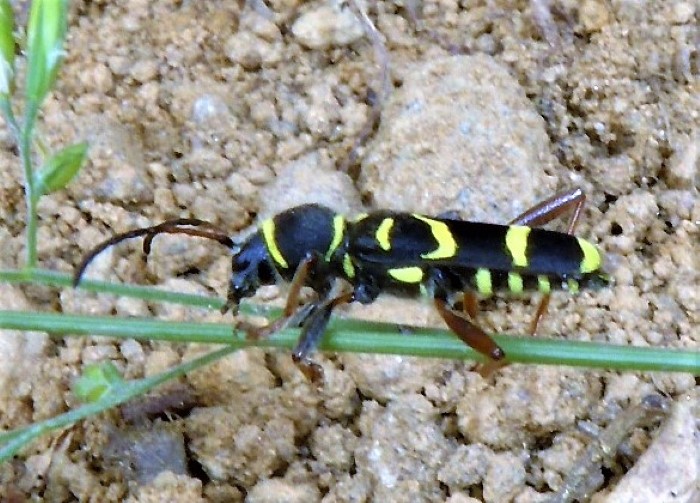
{"points": [[343, 260]]}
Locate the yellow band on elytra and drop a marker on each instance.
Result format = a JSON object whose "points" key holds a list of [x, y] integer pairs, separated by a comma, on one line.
{"points": [[516, 242], [447, 246], [591, 257], [406, 274]]}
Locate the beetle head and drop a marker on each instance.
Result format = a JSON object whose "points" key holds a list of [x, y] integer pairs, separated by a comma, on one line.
{"points": [[250, 268]]}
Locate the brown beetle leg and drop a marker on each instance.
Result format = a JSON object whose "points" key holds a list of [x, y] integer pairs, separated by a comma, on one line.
{"points": [[545, 212]]}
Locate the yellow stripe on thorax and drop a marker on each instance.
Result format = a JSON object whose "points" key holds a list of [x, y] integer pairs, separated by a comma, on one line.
{"points": [[338, 233], [382, 234], [516, 242], [348, 267], [591, 256], [406, 274], [447, 246], [268, 232]]}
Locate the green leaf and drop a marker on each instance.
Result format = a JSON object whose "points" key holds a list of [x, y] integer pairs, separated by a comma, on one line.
{"points": [[97, 380], [60, 168], [46, 32], [7, 47]]}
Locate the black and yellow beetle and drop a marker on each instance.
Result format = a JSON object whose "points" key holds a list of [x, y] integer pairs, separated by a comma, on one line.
{"points": [[448, 260]]}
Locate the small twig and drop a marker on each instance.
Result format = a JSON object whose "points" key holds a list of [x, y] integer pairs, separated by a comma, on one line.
{"points": [[581, 480], [12, 441], [381, 55]]}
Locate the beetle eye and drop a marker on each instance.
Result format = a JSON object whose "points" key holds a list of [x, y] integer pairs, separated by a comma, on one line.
{"points": [[240, 263]]}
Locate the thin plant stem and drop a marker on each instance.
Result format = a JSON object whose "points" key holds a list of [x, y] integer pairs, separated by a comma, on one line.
{"points": [[347, 335], [9, 116], [30, 195], [12, 441], [57, 279], [356, 335], [23, 138]]}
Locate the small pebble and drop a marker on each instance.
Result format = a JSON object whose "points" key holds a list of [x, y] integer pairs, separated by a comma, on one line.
{"points": [[327, 26], [682, 169]]}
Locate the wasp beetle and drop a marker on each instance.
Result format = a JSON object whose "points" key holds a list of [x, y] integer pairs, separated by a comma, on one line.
{"points": [[354, 260]]}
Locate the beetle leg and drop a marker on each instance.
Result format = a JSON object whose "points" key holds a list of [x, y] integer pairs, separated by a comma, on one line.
{"points": [[468, 332], [255, 332], [470, 304], [539, 314], [554, 207], [312, 330], [298, 281], [290, 315], [545, 212]]}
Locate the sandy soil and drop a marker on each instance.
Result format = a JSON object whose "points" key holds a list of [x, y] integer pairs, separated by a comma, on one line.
{"points": [[228, 111]]}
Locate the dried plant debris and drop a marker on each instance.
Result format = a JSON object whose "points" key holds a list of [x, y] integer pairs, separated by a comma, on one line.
{"points": [[585, 476]]}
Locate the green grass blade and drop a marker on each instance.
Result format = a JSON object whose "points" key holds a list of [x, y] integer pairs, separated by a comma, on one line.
{"points": [[11, 442], [149, 293], [356, 336]]}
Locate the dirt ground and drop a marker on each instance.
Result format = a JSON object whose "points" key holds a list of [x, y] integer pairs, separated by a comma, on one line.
{"points": [[230, 111]]}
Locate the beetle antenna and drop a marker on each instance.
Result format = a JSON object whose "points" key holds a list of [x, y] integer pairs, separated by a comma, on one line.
{"points": [[176, 226]]}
